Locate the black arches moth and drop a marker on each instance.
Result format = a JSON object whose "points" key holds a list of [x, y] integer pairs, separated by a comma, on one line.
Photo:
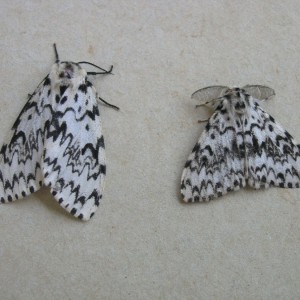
{"points": [[57, 141], [241, 144]]}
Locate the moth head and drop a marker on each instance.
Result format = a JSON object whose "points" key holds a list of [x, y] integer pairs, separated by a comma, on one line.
{"points": [[238, 99], [68, 73]]}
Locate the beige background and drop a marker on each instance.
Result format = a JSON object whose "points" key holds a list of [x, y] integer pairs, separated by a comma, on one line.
{"points": [[143, 243]]}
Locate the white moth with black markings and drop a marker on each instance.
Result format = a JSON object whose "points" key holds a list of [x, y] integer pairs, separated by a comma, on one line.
{"points": [[241, 144], [57, 141]]}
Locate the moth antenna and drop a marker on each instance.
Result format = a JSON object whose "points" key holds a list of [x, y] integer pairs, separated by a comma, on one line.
{"points": [[56, 53], [104, 71]]}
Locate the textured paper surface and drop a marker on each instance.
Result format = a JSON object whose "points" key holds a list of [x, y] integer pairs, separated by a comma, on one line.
{"points": [[143, 243]]}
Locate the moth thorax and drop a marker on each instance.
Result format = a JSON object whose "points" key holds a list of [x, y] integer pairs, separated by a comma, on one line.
{"points": [[239, 105], [67, 73]]}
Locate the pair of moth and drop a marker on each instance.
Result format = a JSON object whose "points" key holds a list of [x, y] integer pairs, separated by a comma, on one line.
{"points": [[57, 141]]}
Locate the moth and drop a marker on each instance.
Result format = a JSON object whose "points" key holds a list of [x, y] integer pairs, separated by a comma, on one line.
{"points": [[57, 141], [240, 145]]}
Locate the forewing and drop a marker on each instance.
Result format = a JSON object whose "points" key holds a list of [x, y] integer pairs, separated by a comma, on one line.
{"points": [[20, 160], [273, 155], [74, 161], [216, 164]]}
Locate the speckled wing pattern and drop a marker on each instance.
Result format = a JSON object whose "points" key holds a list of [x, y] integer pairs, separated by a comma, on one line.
{"points": [[57, 141], [273, 155], [241, 144]]}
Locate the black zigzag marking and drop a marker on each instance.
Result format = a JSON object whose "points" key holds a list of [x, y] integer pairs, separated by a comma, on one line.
{"points": [[94, 170], [218, 165], [48, 145]]}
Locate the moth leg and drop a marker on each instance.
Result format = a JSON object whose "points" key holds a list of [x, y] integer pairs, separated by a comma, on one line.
{"points": [[203, 120], [108, 104], [199, 105]]}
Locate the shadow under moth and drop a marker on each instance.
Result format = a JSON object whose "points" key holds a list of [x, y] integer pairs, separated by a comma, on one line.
{"points": [[240, 145], [57, 141]]}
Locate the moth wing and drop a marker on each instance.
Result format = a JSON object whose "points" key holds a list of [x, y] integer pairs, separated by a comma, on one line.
{"points": [[216, 164], [74, 158], [259, 92], [20, 157], [209, 93], [273, 155]]}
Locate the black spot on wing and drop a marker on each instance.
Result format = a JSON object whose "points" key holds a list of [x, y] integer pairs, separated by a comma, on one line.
{"points": [[103, 169], [101, 142], [196, 148], [63, 100], [63, 89], [272, 119], [83, 88], [207, 127], [73, 211], [255, 144], [47, 81]]}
